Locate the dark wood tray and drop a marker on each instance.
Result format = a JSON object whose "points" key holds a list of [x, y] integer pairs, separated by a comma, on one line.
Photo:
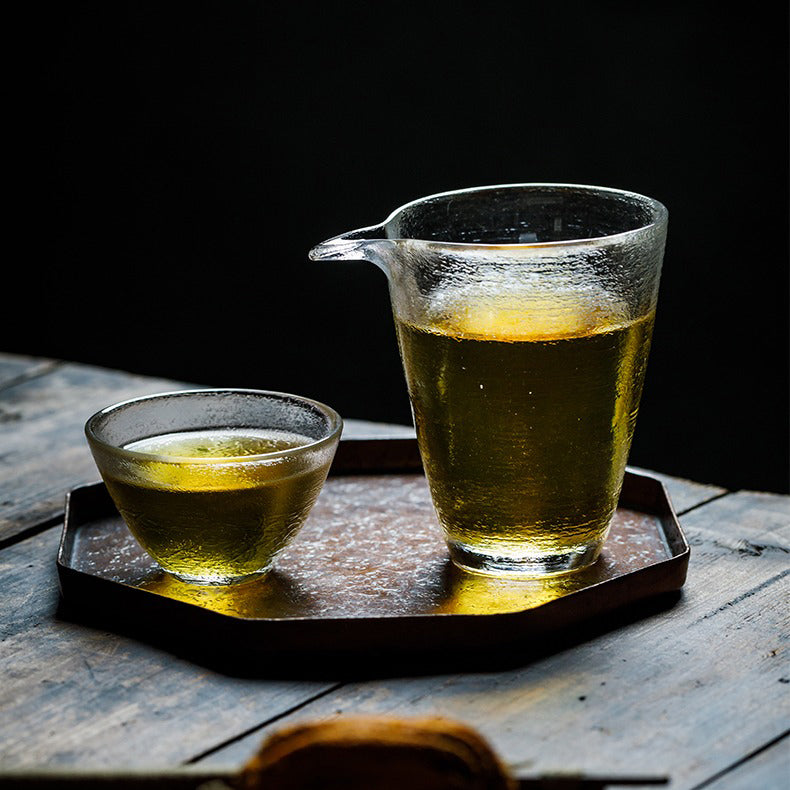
{"points": [[369, 572]]}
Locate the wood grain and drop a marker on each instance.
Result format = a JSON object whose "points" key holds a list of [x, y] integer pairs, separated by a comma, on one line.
{"points": [[685, 494], [75, 695], [43, 452], [769, 769], [14, 368], [671, 694]]}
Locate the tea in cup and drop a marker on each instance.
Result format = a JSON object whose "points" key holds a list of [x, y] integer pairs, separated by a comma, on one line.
{"points": [[214, 484]]}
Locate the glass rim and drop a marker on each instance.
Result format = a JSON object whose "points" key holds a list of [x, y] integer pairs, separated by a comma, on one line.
{"points": [[659, 212], [334, 428]]}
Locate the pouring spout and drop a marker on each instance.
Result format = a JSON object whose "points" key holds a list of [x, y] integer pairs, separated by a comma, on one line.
{"points": [[364, 244]]}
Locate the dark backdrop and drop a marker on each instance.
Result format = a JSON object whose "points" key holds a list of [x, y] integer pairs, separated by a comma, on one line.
{"points": [[184, 157]]}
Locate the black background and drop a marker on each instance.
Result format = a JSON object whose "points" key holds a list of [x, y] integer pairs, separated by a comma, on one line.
{"points": [[182, 158]]}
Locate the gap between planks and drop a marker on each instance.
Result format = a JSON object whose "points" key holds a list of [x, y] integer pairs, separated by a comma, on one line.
{"points": [[741, 762], [36, 369], [251, 730]]}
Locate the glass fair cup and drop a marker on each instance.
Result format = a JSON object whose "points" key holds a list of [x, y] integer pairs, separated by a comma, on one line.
{"points": [[214, 483], [524, 315]]}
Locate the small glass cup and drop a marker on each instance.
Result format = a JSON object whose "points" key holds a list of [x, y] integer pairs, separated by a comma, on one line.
{"points": [[214, 483]]}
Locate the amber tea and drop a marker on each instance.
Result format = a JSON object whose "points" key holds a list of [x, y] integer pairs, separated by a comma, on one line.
{"points": [[206, 520], [525, 419]]}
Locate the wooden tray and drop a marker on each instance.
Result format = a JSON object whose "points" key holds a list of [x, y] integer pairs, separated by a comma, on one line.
{"points": [[369, 572]]}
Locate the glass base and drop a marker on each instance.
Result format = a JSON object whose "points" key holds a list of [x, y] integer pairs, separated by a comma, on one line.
{"points": [[527, 566], [217, 581]]}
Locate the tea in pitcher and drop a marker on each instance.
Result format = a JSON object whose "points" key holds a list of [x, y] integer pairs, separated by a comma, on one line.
{"points": [[525, 419]]}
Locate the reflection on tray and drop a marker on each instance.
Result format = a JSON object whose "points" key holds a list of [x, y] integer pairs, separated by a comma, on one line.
{"points": [[279, 596], [470, 593]]}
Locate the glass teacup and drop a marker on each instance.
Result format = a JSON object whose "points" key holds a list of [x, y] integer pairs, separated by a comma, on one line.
{"points": [[214, 483]]}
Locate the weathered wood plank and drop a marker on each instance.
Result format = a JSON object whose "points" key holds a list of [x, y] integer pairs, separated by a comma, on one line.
{"points": [[43, 451], [14, 368], [683, 693], [74, 695], [685, 494], [364, 429], [768, 770]]}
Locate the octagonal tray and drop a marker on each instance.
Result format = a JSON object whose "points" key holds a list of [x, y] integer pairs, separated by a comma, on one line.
{"points": [[368, 573]]}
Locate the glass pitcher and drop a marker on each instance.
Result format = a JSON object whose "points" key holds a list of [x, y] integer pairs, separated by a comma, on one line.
{"points": [[524, 315]]}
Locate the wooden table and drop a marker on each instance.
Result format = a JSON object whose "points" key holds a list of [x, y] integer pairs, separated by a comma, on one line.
{"points": [[697, 692]]}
